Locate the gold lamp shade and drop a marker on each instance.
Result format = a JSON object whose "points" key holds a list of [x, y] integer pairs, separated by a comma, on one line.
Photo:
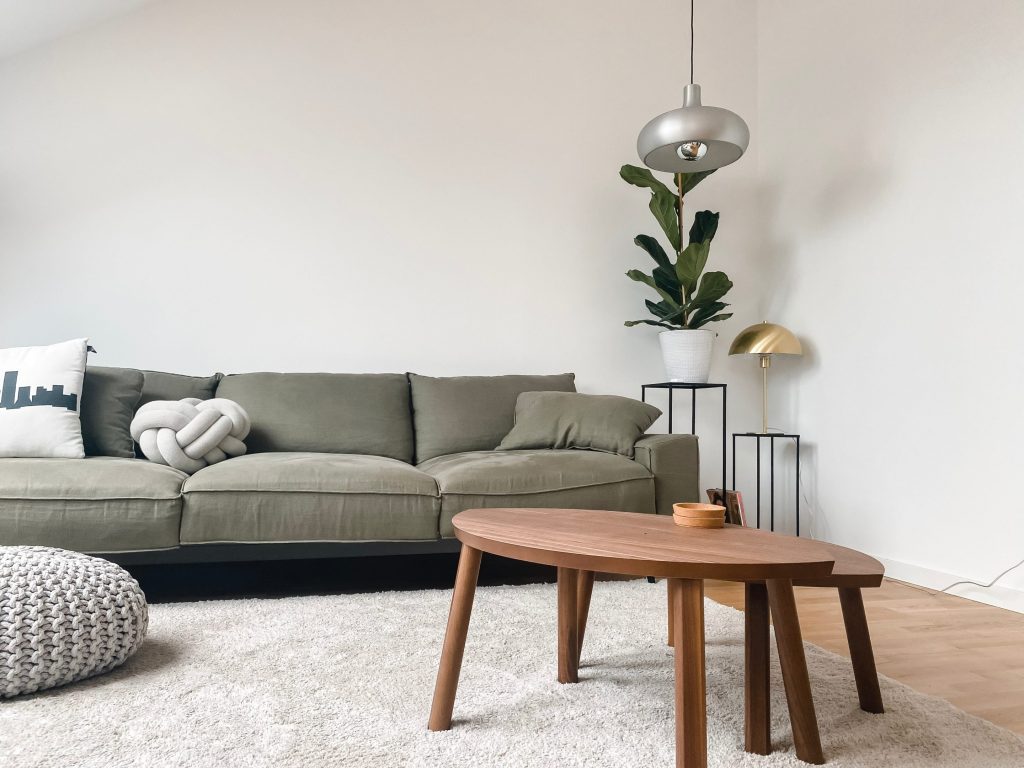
{"points": [[765, 339]]}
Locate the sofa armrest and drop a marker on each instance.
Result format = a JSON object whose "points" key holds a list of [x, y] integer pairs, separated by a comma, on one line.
{"points": [[674, 460]]}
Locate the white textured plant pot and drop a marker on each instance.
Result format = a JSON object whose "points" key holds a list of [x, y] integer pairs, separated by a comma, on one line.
{"points": [[687, 354]]}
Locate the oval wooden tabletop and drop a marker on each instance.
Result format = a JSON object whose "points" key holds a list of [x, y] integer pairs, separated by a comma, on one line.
{"points": [[640, 545], [852, 569]]}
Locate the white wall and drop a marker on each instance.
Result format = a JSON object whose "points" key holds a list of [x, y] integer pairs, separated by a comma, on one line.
{"points": [[893, 193], [28, 24]]}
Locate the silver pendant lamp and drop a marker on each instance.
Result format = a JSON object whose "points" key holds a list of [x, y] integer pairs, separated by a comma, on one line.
{"points": [[693, 138]]}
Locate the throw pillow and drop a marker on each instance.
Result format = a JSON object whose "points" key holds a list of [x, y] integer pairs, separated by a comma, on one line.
{"points": [[40, 392], [606, 423], [109, 397], [190, 434]]}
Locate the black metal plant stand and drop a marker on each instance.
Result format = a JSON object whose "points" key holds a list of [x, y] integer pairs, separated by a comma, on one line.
{"points": [[771, 437], [672, 386]]}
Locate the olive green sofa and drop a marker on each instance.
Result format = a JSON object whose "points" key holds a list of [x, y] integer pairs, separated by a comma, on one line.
{"points": [[338, 464]]}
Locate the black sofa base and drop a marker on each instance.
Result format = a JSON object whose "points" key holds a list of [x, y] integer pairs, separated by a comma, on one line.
{"points": [[240, 553]]}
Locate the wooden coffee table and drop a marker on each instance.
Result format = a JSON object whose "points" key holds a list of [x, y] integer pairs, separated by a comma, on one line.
{"points": [[582, 542]]}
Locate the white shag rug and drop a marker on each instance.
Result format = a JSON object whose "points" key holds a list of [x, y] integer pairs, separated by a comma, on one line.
{"points": [[347, 681]]}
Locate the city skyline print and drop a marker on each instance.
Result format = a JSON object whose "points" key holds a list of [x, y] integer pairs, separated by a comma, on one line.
{"points": [[13, 397]]}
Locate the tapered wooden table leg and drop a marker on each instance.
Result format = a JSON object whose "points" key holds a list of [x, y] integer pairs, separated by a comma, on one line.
{"points": [[584, 590], [568, 639], [757, 726], [794, 671], [861, 654], [672, 584], [691, 698], [454, 640]]}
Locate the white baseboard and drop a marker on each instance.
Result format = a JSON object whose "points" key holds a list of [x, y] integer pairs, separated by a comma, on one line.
{"points": [[1001, 597]]}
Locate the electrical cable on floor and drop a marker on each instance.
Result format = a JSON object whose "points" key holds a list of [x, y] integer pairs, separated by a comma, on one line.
{"points": [[979, 584]]}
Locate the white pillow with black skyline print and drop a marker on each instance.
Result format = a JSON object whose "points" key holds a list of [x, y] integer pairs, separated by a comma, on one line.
{"points": [[40, 393]]}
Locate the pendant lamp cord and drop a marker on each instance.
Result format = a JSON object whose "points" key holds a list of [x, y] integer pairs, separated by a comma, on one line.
{"points": [[691, 42]]}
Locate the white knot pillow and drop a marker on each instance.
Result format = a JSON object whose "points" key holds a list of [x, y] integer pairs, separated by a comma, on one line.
{"points": [[190, 434]]}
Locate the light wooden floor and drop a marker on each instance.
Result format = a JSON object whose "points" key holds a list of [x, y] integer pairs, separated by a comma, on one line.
{"points": [[969, 654]]}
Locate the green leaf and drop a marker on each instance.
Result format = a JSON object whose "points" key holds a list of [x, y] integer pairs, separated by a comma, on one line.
{"points": [[665, 273], [663, 310], [640, 277], [658, 310], [713, 286], [714, 319], [691, 264], [704, 312], [664, 202], [663, 206], [654, 250], [641, 177], [691, 180], [631, 323], [705, 224], [668, 282]]}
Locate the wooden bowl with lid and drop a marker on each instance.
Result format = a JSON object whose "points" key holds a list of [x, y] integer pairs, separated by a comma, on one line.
{"points": [[697, 515]]}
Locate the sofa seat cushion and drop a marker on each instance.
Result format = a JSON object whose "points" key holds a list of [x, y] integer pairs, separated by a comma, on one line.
{"points": [[100, 504], [300, 497], [571, 479]]}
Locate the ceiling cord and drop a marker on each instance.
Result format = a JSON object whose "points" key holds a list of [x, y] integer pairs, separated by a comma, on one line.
{"points": [[691, 42]]}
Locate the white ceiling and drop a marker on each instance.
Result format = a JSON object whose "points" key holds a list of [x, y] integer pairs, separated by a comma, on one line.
{"points": [[25, 23]]}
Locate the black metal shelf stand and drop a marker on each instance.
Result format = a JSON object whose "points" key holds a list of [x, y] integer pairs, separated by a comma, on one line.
{"points": [[672, 386], [771, 437]]}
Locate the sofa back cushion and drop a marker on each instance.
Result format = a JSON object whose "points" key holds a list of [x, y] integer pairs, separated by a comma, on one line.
{"points": [[471, 413], [157, 385], [363, 413], [109, 399]]}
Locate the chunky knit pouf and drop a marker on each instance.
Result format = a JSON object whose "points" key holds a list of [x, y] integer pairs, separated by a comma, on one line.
{"points": [[64, 616]]}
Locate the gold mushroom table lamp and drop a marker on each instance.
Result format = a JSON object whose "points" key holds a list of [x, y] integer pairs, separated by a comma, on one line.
{"points": [[764, 340]]}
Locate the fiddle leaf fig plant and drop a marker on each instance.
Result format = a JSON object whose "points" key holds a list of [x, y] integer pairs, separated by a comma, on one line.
{"points": [[690, 297]]}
